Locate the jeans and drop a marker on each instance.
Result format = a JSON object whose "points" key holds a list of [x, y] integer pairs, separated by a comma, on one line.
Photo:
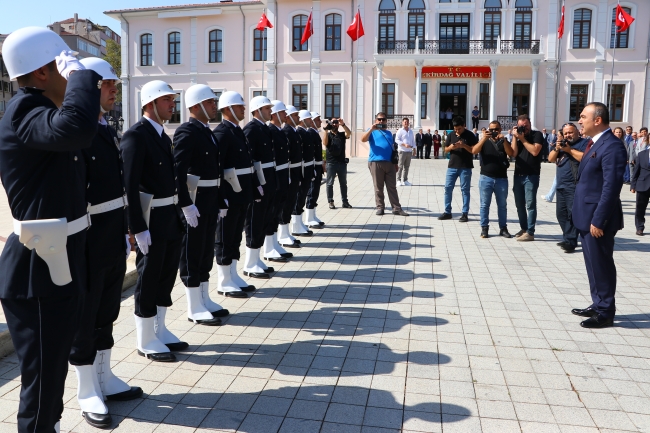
{"points": [[551, 192], [525, 190], [499, 186], [339, 169], [465, 175]]}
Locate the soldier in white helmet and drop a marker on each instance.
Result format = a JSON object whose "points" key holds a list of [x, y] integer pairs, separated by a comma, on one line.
{"points": [[154, 219], [298, 227], [314, 188], [285, 238], [197, 157], [43, 272]]}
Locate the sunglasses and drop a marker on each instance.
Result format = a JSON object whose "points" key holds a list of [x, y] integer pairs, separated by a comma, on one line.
{"points": [[382, 119], [494, 130]]}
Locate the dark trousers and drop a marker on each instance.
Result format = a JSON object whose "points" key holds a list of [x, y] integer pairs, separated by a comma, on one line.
{"points": [[229, 234], [436, 151], [601, 270], [642, 198], [563, 208], [258, 217], [198, 249], [335, 169], [99, 308], [42, 330], [418, 154], [427, 151], [626, 175], [314, 187], [475, 121], [301, 195], [156, 275], [524, 189], [279, 199], [290, 202]]}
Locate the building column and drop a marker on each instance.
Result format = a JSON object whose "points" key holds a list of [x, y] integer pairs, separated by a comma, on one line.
{"points": [[494, 64], [380, 82], [533, 93], [417, 121]]}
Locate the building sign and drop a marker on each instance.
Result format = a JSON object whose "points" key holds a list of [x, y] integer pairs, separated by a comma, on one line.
{"points": [[456, 72]]}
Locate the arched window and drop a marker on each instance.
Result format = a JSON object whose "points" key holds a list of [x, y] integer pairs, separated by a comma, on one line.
{"points": [[386, 28], [523, 23], [524, 4], [492, 23], [416, 4], [146, 52], [493, 4], [416, 22], [387, 5], [299, 24], [174, 48], [259, 45], [216, 46], [333, 32], [621, 39], [581, 28]]}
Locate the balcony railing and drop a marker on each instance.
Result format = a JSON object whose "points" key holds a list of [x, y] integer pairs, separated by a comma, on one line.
{"points": [[459, 46]]}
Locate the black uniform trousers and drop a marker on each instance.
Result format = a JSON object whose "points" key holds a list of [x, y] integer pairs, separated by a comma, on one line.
{"points": [[99, 309], [290, 203], [156, 275], [279, 201], [314, 187], [418, 155], [198, 249], [229, 234], [301, 195], [601, 270], [427, 151], [642, 198], [42, 351], [563, 209], [258, 218]]}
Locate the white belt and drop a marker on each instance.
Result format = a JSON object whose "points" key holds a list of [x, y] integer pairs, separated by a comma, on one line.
{"points": [[281, 167], [74, 227], [160, 202], [307, 164], [240, 171], [210, 182], [108, 206], [268, 164], [297, 164]]}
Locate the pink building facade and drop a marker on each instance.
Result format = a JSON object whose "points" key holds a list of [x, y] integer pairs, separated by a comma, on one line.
{"points": [[418, 58]]}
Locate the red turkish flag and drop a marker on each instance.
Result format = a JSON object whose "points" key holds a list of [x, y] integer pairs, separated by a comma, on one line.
{"points": [[623, 19], [263, 23], [560, 30], [309, 30], [355, 31]]}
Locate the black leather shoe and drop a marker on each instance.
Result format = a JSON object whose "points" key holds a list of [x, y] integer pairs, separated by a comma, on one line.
{"points": [[220, 313], [276, 259], [177, 347], [293, 245], [505, 233], [98, 420], [233, 294], [286, 256], [346, 205], [445, 216], [309, 233], [332, 205], [159, 357], [379, 212], [484, 232], [584, 312], [639, 232], [215, 321], [463, 218], [248, 289], [568, 248], [561, 244], [131, 394], [597, 321], [269, 269], [260, 275]]}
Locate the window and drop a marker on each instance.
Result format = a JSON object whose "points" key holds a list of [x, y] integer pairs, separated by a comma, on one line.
{"points": [[416, 26], [387, 5], [216, 100], [215, 42], [491, 28], [174, 48], [146, 53], [621, 39], [300, 96], [577, 100], [176, 117], [103, 43], [520, 98], [454, 33], [617, 98], [424, 97], [332, 101], [388, 98], [299, 24], [259, 46], [259, 93], [333, 32], [492, 4], [581, 28], [387, 27], [89, 48], [523, 28], [416, 4], [524, 4], [484, 101]]}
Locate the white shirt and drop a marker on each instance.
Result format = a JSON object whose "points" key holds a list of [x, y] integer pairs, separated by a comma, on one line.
{"points": [[236, 126], [157, 126], [596, 137], [404, 137]]}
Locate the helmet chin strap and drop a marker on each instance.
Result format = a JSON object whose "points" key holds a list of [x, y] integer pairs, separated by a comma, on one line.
{"points": [[293, 121], [204, 112], [233, 114], [102, 109], [155, 111], [261, 115]]}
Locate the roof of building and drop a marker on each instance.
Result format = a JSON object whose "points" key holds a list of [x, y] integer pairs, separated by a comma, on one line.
{"points": [[188, 6]]}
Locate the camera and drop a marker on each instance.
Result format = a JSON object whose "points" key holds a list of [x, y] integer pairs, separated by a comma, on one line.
{"points": [[521, 129], [495, 134], [381, 125], [328, 125]]}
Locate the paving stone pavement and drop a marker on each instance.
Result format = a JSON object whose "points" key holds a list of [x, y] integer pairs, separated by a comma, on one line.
{"points": [[394, 324]]}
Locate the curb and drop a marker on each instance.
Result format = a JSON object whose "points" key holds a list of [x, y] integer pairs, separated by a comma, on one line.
{"points": [[7, 346]]}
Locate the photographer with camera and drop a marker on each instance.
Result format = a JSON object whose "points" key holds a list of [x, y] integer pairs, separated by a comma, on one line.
{"points": [[527, 147], [567, 155], [336, 165], [494, 177]]}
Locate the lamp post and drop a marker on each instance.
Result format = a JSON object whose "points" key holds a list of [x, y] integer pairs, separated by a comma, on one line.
{"points": [[120, 123]]}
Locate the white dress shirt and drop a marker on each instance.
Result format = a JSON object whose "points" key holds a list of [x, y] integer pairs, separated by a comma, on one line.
{"points": [[403, 138], [157, 126]]}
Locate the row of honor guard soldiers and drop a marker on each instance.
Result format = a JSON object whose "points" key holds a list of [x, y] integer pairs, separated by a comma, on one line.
{"points": [[77, 195]]}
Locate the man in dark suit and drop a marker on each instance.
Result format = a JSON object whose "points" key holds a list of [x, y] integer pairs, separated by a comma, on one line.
{"points": [[428, 141], [298, 227], [150, 169], [640, 184], [437, 142], [419, 144], [598, 213], [46, 125], [285, 238]]}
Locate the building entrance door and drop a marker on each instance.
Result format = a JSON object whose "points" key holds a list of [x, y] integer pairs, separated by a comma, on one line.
{"points": [[453, 102]]}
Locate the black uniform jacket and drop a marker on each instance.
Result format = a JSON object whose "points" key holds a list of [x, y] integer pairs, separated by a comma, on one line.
{"points": [[105, 238], [295, 151], [43, 174], [234, 152], [261, 142], [317, 142], [149, 167], [307, 145], [196, 152]]}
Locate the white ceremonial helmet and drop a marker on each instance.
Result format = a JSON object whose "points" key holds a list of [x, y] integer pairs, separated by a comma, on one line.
{"points": [[153, 90], [304, 114], [197, 94], [259, 102], [228, 99], [278, 106], [102, 67], [314, 115], [29, 48], [290, 110]]}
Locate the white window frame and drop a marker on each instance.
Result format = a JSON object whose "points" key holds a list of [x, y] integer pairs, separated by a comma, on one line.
{"points": [[626, 101], [594, 23], [397, 90], [167, 33], [290, 84], [429, 84], [215, 90], [206, 56], [343, 107], [470, 88], [183, 114], [567, 102], [251, 44], [289, 42], [344, 37], [139, 47]]}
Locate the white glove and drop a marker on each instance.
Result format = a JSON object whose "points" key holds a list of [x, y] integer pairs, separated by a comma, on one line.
{"points": [[66, 63], [223, 213], [191, 215], [314, 178], [261, 190], [226, 200], [128, 247], [144, 240], [289, 180]]}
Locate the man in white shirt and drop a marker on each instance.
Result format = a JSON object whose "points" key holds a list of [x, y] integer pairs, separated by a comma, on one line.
{"points": [[405, 140]]}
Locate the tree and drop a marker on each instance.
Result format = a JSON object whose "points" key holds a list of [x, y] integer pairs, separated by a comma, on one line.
{"points": [[114, 57]]}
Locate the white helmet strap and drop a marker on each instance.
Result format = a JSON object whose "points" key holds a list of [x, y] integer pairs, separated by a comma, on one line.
{"points": [[261, 115], [293, 121], [233, 114], [204, 112], [102, 109], [155, 111]]}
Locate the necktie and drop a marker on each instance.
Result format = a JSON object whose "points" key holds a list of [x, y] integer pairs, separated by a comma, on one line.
{"points": [[589, 144]]}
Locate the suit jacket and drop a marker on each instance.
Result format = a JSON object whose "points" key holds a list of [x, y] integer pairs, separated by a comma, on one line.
{"points": [[641, 178], [196, 152], [295, 151], [551, 139], [419, 140], [436, 138], [44, 177], [317, 141], [260, 140], [428, 139], [600, 179], [149, 167]]}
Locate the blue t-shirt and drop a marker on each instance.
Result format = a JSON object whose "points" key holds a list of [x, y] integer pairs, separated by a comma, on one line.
{"points": [[381, 145], [565, 177], [475, 113]]}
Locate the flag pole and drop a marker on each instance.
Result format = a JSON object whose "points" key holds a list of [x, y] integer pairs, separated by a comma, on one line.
{"points": [[263, 53], [558, 54], [311, 55], [611, 79], [356, 86]]}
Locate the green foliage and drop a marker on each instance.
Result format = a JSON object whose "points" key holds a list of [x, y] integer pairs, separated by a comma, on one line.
{"points": [[114, 57]]}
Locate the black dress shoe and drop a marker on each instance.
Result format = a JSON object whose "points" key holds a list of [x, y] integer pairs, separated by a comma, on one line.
{"points": [[309, 233], [98, 420], [347, 205], [332, 205], [561, 244], [379, 212], [215, 321], [639, 232], [286, 255], [220, 313], [131, 394], [233, 294], [248, 289], [159, 357], [177, 347], [484, 232], [260, 275], [597, 321], [276, 259], [567, 248], [505, 233], [584, 312], [445, 216], [293, 245], [463, 218], [269, 269]]}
